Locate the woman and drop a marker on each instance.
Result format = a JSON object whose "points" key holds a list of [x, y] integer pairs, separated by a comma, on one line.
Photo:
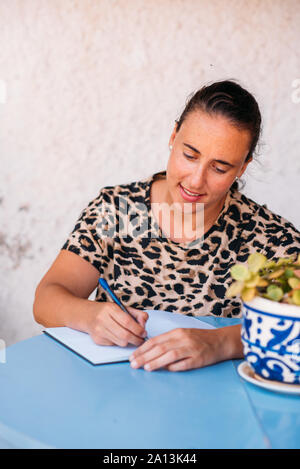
{"points": [[187, 226]]}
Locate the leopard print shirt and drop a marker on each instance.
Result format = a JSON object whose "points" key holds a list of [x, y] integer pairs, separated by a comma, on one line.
{"points": [[149, 271]]}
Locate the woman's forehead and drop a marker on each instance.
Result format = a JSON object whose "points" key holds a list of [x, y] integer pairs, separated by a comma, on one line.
{"points": [[202, 124], [202, 119], [202, 131]]}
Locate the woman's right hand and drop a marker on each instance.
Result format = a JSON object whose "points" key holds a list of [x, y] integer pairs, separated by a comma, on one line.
{"points": [[110, 325]]}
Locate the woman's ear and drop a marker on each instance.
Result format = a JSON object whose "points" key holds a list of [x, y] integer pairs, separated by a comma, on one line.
{"points": [[173, 134], [245, 166]]}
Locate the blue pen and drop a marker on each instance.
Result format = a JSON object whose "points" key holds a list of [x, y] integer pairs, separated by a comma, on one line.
{"points": [[104, 285]]}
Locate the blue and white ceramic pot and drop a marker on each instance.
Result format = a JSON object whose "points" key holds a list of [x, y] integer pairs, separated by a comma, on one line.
{"points": [[271, 339]]}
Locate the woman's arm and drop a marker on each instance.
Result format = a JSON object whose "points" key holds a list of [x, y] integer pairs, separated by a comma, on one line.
{"points": [[61, 299], [61, 296], [183, 349]]}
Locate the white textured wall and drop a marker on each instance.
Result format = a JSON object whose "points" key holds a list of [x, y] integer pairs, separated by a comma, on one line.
{"points": [[92, 91]]}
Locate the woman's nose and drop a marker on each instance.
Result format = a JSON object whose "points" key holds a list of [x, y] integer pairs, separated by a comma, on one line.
{"points": [[197, 178]]}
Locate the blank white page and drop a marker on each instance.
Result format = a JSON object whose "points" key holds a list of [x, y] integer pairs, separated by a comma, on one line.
{"points": [[159, 322]]}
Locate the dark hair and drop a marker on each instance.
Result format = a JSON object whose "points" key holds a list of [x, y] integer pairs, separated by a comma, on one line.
{"points": [[230, 100]]}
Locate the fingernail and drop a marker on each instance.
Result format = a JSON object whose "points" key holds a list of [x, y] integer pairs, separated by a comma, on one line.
{"points": [[147, 367], [144, 334], [134, 364]]}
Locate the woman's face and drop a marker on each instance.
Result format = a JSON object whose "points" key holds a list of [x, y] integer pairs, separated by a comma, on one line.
{"points": [[208, 153]]}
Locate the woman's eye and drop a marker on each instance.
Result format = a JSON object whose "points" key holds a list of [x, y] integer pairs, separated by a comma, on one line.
{"points": [[220, 170], [189, 156]]}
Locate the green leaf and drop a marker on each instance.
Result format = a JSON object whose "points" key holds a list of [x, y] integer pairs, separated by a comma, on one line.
{"points": [[284, 260], [262, 283], [296, 297], [274, 293], [285, 287], [289, 273], [234, 289], [293, 282], [248, 294], [240, 272], [269, 265], [276, 274], [253, 281], [256, 261]]}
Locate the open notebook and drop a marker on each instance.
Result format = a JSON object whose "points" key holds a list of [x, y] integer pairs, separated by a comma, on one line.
{"points": [[82, 344]]}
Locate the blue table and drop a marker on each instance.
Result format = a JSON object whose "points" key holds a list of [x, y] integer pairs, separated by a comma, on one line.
{"points": [[52, 398]]}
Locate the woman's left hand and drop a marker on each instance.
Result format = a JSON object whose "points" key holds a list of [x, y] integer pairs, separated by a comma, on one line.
{"points": [[181, 349]]}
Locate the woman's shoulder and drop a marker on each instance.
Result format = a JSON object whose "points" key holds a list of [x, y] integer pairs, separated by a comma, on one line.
{"points": [[262, 228], [136, 192], [119, 193], [247, 207]]}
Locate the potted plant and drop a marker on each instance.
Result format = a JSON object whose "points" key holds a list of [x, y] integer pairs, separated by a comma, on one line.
{"points": [[270, 292]]}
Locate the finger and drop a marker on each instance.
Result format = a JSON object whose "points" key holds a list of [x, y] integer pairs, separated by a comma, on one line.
{"points": [[115, 336], [115, 332], [102, 341], [168, 358], [149, 344], [144, 347], [121, 335], [155, 353], [181, 365], [99, 339], [141, 316], [126, 321]]}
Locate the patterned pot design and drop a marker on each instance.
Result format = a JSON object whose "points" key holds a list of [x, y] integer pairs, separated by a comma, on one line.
{"points": [[271, 339]]}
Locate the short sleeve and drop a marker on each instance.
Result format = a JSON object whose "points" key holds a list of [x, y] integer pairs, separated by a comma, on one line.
{"points": [[84, 239], [283, 240]]}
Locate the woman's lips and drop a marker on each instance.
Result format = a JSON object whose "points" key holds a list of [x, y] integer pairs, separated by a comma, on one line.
{"points": [[189, 198]]}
